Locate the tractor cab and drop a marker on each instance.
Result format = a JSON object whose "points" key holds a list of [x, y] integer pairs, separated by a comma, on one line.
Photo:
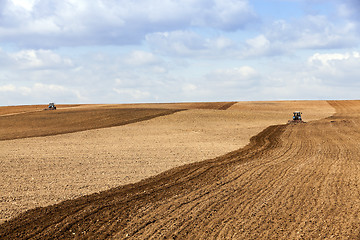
{"points": [[52, 106], [297, 116]]}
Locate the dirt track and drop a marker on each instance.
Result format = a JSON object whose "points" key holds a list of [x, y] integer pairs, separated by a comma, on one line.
{"points": [[291, 182]]}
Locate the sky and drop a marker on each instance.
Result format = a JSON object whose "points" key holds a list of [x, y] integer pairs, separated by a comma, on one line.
{"points": [[132, 51]]}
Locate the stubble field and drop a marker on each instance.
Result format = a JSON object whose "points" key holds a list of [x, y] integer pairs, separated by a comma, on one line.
{"points": [[289, 182]]}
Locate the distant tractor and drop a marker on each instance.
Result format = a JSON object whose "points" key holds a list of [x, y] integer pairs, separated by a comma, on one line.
{"points": [[296, 118], [51, 107]]}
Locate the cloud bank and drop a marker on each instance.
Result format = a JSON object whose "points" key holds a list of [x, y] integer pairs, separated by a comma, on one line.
{"points": [[115, 51], [52, 24]]}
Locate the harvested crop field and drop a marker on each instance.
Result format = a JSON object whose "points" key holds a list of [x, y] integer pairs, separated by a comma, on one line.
{"points": [[291, 182]]}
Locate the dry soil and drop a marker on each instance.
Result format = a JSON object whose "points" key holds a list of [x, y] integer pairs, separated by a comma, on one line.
{"points": [[291, 181]]}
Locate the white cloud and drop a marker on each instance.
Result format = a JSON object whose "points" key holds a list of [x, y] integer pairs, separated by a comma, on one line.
{"points": [[259, 42], [190, 44], [181, 43], [327, 58], [45, 90], [244, 72], [51, 23], [282, 36], [26, 4], [339, 69], [189, 87], [140, 58], [38, 93], [226, 15], [133, 94], [175, 50], [220, 43], [35, 59], [7, 88], [260, 46], [320, 76], [238, 78]]}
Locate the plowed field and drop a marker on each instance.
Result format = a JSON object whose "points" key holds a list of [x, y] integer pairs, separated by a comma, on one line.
{"points": [[48, 123], [291, 182]]}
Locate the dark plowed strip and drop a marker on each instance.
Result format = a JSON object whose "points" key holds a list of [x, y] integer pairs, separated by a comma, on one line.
{"points": [[227, 105], [47, 123]]}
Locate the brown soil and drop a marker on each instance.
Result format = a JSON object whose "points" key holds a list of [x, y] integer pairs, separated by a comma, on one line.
{"points": [[12, 110], [47, 123], [46, 170], [185, 105], [281, 111], [291, 182], [32, 121]]}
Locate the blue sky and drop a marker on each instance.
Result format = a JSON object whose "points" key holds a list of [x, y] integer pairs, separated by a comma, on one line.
{"points": [[117, 51]]}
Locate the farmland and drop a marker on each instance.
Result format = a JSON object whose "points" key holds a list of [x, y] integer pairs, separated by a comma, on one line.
{"points": [[218, 170]]}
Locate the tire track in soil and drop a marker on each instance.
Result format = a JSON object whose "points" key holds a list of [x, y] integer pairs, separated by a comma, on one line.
{"points": [[291, 182]]}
